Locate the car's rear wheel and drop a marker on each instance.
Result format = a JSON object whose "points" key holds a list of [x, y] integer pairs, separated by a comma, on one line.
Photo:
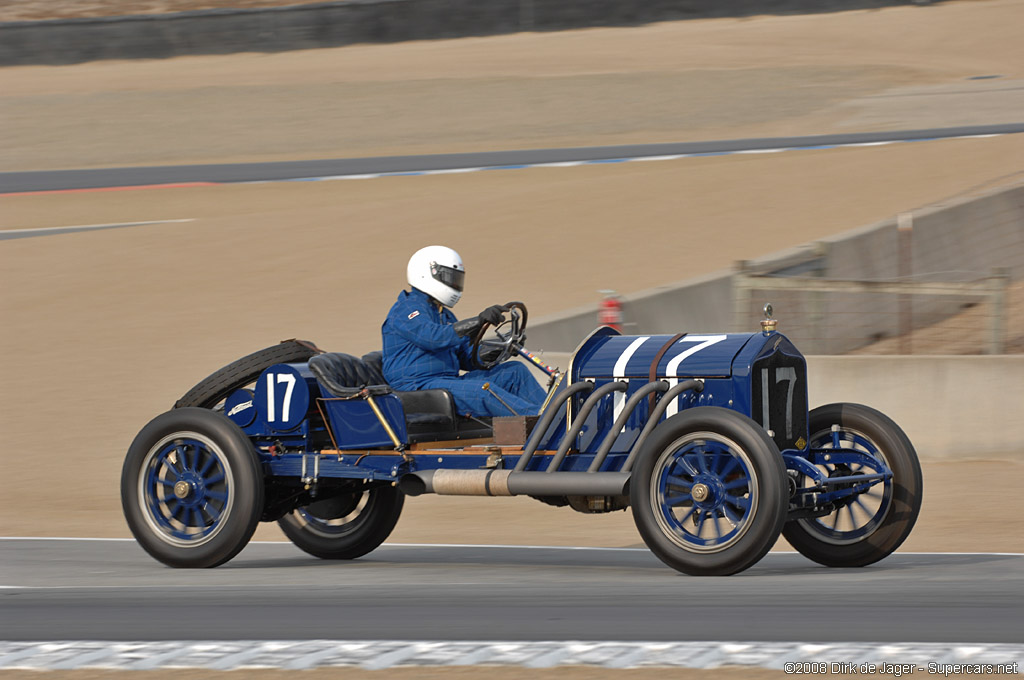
{"points": [[191, 488], [345, 526]]}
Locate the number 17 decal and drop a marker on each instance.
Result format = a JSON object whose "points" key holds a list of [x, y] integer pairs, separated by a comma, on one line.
{"points": [[282, 397], [289, 380]]}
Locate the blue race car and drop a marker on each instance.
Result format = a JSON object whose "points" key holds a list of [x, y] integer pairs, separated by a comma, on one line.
{"points": [[707, 438]]}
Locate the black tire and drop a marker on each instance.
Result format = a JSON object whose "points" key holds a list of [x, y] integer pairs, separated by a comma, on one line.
{"points": [[345, 527], [192, 488], [236, 375], [709, 463], [899, 502]]}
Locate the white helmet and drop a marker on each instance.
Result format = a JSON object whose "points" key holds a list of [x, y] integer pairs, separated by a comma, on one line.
{"points": [[438, 272]]}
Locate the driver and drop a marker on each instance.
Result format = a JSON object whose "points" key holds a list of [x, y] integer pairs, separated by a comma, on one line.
{"points": [[425, 346]]}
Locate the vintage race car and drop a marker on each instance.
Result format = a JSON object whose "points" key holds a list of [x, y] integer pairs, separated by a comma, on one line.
{"points": [[707, 438]]}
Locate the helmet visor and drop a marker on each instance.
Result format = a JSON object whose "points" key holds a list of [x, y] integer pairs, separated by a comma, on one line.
{"points": [[449, 276]]}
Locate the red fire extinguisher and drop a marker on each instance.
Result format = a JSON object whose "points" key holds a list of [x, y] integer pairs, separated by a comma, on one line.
{"points": [[609, 312]]}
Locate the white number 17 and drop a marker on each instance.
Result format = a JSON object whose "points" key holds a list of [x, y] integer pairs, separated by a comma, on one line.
{"points": [[286, 406]]}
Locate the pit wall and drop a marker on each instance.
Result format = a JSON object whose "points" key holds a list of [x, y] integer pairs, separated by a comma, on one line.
{"points": [[958, 238], [951, 407], [333, 24]]}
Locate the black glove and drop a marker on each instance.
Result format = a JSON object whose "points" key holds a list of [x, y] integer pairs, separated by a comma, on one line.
{"points": [[493, 315], [467, 326]]}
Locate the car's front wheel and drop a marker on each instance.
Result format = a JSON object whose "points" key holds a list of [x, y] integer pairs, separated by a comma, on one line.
{"points": [[866, 527], [709, 493]]}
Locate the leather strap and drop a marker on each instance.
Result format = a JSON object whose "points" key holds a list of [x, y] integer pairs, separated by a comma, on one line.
{"points": [[653, 374], [305, 343]]}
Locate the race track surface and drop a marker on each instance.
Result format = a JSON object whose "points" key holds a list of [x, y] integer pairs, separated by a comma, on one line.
{"points": [[60, 589], [63, 180]]}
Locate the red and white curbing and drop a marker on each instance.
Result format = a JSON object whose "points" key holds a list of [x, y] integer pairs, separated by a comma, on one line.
{"points": [[925, 658]]}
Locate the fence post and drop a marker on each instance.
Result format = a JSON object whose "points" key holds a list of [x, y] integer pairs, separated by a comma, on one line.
{"points": [[821, 342], [904, 270], [1000, 281]]}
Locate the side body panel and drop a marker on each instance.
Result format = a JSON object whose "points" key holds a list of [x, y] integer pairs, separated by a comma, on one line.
{"points": [[760, 375]]}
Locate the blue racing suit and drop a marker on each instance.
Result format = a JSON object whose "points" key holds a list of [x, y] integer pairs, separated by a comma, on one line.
{"points": [[422, 351]]}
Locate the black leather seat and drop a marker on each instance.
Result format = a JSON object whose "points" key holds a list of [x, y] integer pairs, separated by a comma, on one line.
{"points": [[430, 415], [344, 375]]}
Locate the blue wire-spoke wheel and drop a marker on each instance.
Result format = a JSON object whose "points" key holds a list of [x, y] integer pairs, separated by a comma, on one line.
{"points": [[186, 489], [859, 516], [703, 492], [192, 488], [709, 492], [335, 518], [346, 525], [864, 528]]}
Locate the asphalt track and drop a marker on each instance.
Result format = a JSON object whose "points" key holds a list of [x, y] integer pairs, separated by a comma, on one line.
{"points": [[61, 589], [70, 180]]}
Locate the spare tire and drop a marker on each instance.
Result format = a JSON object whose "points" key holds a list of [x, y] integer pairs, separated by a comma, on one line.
{"points": [[236, 375]]}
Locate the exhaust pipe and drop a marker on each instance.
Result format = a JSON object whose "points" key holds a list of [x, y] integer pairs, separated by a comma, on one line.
{"points": [[456, 483], [511, 483]]}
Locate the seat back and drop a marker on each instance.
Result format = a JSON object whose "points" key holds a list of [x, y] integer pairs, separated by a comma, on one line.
{"points": [[342, 373], [375, 362]]}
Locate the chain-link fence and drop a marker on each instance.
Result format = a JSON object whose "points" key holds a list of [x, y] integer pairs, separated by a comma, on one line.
{"points": [[948, 313], [942, 280], [945, 279]]}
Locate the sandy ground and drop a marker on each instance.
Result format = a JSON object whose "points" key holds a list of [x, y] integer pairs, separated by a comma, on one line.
{"points": [[702, 79], [100, 331]]}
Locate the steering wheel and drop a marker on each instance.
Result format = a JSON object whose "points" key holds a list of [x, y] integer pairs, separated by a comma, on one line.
{"points": [[511, 336]]}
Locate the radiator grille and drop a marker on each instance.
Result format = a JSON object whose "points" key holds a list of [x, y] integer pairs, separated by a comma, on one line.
{"points": [[779, 398]]}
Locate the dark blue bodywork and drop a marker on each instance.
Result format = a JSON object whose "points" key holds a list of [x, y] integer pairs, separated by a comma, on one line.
{"points": [[302, 430]]}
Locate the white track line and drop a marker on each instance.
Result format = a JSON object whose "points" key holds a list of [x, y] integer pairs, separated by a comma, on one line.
{"points": [[508, 547], [611, 160], [60, 538], [489, 545], [305, 587], [86, 227]]}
